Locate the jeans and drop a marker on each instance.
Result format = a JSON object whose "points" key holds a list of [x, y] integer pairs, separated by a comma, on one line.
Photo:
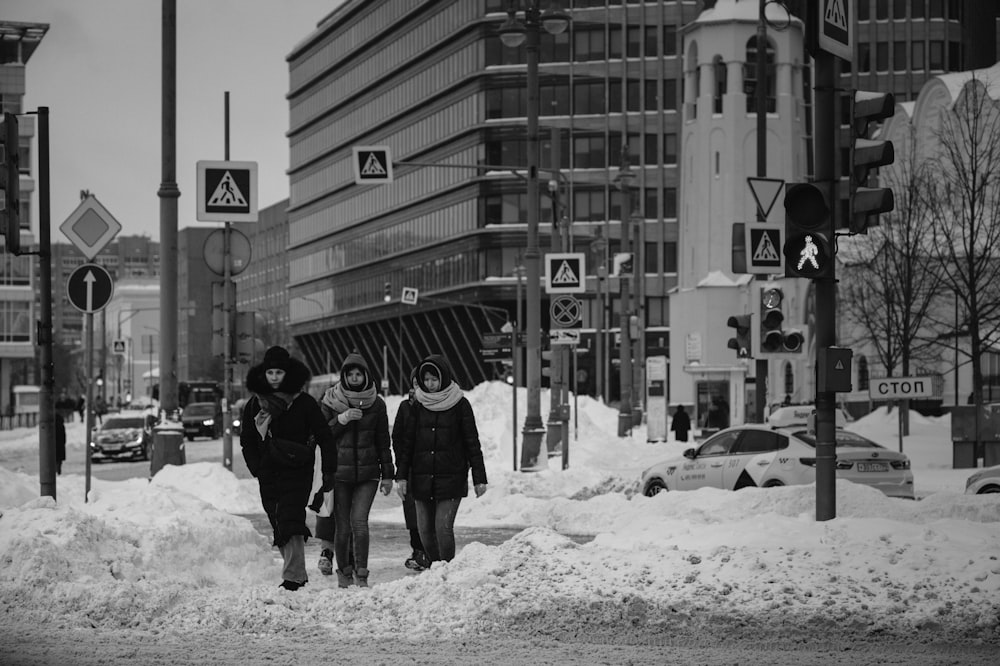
{"points": [[294, 554], [352, 502], [436, 520]]}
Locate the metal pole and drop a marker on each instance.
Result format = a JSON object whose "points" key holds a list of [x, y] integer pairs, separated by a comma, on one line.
{"points": [[168, 195], [47, 463], [534, 430], [554, 436], [760, 99], [228, 313], [88, 350], [625, 346], [403, 389], [515, 348]]}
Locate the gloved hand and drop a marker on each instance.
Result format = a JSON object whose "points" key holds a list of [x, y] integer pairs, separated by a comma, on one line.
{"points": [[352, 414], [317, 502], [401, 489], [480, 489], [386, 486]]}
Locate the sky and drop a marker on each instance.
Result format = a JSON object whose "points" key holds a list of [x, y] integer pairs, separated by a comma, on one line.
{"points": [[98, 70], [173, 559]]}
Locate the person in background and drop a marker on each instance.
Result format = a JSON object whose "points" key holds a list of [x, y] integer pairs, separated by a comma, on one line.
{"points": [[81, 404], [60, 442], [440, 446], [284, 425], [681, 424], [418, 560], [360, 426]]}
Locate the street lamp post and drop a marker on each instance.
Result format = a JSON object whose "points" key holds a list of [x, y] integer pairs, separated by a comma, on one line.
{"points": [[513, 33]]}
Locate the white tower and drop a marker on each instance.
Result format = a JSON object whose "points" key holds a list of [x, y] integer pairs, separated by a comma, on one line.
{"points": [[719, 153]]}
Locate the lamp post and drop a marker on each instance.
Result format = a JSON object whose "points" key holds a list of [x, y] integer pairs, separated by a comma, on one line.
{"points": [[513, 33], [625, 418]]}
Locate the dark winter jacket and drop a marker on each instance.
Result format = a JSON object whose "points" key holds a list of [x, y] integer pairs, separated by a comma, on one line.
{"points": [[440, 447], [284, 490], [363, 450], [404, 414], [681, 423]]}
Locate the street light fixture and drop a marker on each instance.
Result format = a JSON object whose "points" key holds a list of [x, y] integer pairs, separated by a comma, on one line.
{"points": [[513, 33]]}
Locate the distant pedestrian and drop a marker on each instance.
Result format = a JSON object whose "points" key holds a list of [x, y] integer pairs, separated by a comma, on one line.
{"points": [[360, 426], [284, 425], [439, 448], [60, 442], [418, 560], [81, 404], [681, 424]]}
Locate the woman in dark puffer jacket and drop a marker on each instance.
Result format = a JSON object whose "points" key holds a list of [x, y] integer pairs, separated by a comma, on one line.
{"points": [[360, 427], [282, 427], [439, 448]]}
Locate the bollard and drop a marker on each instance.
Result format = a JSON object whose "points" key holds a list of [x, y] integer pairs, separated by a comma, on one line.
{"points": [[168, 446]]}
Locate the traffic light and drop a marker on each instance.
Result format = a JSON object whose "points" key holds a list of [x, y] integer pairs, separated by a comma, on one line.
{"points": [[866, 154], [742, 342], [387, 295], [10, 184], [245, 334], [218, 316], [777, 337], [808, 245]]}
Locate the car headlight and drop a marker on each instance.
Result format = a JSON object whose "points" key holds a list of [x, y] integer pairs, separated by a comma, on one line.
{"points": [[236, 423], [208, 422]]}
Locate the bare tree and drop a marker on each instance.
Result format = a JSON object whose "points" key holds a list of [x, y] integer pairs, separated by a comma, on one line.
{"points": [[893, 278], [965, 203]]}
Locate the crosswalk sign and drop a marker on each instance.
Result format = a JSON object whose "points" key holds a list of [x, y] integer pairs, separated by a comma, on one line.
{"points": [[227, 191], [118, 347], [565, 273], [372, 165], [763, 248]]}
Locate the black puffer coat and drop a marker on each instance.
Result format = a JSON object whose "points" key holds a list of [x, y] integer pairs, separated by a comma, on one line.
{"points": [[440, 447], [363, 451], [284, 491]]}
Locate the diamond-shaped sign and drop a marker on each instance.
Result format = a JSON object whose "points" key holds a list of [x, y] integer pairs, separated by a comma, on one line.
{"points": [[90, 227]]}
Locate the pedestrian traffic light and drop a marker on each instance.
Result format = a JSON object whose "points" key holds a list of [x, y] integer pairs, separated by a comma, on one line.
{"points": [[742, 342], [776, 336], [808, 244], [10, 184], [867, 154], [219, 314]]}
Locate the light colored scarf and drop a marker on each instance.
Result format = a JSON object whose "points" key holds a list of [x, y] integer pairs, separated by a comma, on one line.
{"points": [[340, 399], [439, 401], [271, 405]]}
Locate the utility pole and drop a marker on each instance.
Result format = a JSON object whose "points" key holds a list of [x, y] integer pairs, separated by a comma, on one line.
{"points": [[47, 463], [760, 100]]}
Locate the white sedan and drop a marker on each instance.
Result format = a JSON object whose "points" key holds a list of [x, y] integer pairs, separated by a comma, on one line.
{"points": [[757, 455], [984, 482]]}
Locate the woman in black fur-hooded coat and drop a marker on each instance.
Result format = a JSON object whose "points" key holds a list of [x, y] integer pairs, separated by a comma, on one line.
{"points": [[281, 427]]}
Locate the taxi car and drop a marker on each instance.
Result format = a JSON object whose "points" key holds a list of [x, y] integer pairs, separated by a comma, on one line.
{"points": [[766, 455], [984, 482], [122, 435], [202, 419]]}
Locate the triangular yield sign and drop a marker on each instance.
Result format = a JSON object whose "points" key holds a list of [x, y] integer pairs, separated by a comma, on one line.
{"points": [[227, 193], [765, 193]]}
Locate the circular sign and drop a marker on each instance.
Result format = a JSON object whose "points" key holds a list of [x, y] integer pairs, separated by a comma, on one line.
{"points": [[565, 311], [239, 251], [89, 288]]}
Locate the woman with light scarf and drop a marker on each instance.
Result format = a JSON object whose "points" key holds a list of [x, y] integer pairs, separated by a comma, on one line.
{"points": [[360, 426], [440, 446]]}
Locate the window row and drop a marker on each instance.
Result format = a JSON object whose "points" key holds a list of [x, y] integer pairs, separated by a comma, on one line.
{"points": [[917, 9], [595, 151], [586, 43], [593, 97], [933, 60], [587, 205], [15, 321]]}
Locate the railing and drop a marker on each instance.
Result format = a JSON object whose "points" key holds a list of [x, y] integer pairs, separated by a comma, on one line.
{"points": [[18, 421]]}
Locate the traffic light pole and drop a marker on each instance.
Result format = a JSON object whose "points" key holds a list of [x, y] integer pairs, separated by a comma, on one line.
{"points": [[760, 99], [825, 153], [47, 463]]}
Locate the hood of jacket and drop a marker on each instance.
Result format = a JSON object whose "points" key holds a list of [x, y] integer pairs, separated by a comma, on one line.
{"points": [[297, 375], [355, 360], [438, 365]]}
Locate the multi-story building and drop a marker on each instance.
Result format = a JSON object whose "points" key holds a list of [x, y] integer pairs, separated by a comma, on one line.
{"points": [[17, 282]]}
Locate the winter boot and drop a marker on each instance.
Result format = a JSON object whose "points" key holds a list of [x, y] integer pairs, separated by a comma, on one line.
{"points": [[417, 562], [361, 577], [326, 562], [345, 576]]}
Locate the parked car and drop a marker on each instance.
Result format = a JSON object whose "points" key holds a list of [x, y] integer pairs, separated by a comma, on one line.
{"points": [[202, 419], [122, 435], [761, 455], [984, 482]]}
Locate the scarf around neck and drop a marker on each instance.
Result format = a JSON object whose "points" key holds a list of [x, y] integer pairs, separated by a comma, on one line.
{"points": [[439, 401], [271, 406], [340, 399]]}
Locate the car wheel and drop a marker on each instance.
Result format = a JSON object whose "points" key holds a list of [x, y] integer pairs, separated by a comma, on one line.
{"points": [[773, 483], [989, 490], [654, 487]]}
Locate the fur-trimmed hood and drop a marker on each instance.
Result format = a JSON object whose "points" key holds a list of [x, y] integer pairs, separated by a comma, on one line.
{"points": [[297, 375]]}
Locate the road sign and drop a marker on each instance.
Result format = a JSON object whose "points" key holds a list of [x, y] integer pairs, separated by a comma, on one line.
{"points": [[564, 336], [496, 347], [836, 28], [765, 193], [763, 248], [214, 251], [372, 165], [901, 387], [89, 288], [118, 347], [566, 312], [90, 227], [227, 191], [565, 273], [410, 295]]}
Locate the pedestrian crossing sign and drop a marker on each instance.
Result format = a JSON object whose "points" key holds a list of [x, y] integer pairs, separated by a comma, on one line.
{"points": [[227, 191], [764, 249], [372, 165], [565, 273]]}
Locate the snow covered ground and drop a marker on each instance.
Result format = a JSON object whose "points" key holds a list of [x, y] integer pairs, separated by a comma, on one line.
{"points": [[169, 562]]}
